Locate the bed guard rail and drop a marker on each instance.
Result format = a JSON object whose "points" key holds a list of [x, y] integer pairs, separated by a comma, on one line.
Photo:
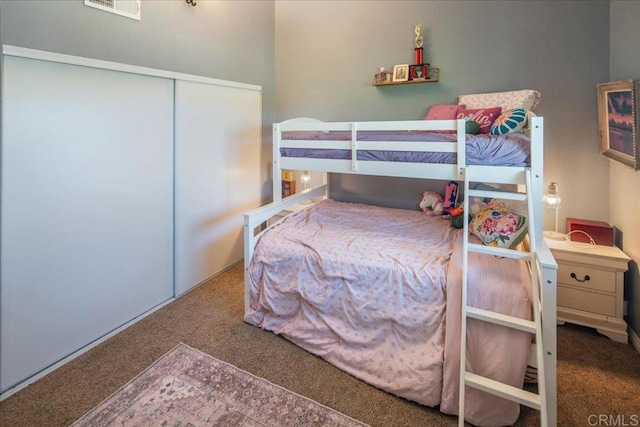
{"points": [[253, 221], [354, 144]]}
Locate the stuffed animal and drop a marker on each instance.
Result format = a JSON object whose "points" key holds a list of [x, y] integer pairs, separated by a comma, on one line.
{"points": [[432, 203], [477, 204], [450, 199]]}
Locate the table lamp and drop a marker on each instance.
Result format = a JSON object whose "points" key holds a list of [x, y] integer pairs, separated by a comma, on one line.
{"points": [[306, 179], [552, 200]]}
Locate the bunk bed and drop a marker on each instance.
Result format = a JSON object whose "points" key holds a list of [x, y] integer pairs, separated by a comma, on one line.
{"points": [[422, 313]]}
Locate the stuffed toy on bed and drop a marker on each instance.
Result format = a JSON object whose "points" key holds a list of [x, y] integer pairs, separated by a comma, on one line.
{"points": [[432, 203], [477, 204], [450, 199]]}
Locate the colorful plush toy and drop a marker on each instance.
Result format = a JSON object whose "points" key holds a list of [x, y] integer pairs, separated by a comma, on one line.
{"points": [[477, 204], [432, 203], [450, 199]]}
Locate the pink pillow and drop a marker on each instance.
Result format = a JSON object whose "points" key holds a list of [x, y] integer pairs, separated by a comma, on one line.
{"points": [[483, 116], [443, 111]]}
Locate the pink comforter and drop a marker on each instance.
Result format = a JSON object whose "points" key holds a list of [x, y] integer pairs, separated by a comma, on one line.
{"points": [[375, 291]]}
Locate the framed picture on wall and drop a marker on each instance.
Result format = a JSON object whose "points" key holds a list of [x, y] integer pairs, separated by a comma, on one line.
{"points": [[618, 123], [401, 73]]}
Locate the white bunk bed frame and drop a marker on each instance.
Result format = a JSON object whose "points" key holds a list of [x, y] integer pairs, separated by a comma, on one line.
{"points": [[255, 222]]}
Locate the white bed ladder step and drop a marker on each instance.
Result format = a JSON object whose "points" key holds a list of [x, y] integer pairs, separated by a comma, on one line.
{"points": [[533, 400], [499, 252], [502, 319], [523, 397]]}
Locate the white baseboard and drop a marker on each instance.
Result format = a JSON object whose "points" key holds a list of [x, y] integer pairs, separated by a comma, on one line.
{"points": [[634, 339], [16, 388]]}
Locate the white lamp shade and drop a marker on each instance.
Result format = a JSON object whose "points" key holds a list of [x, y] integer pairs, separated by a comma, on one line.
{"points": [[552, 200]]}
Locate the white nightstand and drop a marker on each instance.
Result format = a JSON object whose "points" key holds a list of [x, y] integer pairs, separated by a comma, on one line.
{"points": [[591, 286]]}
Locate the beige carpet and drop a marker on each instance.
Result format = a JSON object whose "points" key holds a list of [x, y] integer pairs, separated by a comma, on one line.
{"points": [[188, 387], [596, 376]]}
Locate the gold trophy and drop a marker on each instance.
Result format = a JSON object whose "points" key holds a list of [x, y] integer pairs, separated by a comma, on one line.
{"points": [[419, 70]]}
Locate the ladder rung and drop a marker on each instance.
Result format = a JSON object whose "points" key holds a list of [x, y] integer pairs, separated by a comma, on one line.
{"points": [[501, 252], [488, 194], [506, 391], [502, 319]]}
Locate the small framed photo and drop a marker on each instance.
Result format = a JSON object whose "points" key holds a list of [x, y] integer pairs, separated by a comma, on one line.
{"points": [[401, 73], [288, 188], [618, 121]]}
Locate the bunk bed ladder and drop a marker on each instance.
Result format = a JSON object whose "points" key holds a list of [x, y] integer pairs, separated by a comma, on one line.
{"points": [[533, 400]]}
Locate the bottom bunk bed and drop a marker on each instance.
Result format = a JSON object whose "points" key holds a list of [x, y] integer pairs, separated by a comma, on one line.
{"points": [[376, 292]]}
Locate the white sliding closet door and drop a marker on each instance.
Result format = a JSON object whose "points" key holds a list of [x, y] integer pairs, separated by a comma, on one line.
{"points": [[87, 207], [217, 176]]}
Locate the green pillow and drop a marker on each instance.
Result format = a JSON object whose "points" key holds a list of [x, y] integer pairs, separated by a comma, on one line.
{"points": [[472, 127]]}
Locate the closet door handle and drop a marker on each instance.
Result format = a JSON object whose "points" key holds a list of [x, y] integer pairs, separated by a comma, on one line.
{"points": [[586, 277]]}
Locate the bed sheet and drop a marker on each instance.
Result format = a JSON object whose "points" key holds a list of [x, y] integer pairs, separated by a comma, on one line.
{"points": [[350, 284], [493, 150], [366, 288]]}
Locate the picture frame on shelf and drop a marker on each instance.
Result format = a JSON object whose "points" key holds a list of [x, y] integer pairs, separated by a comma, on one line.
{"points": [[288, 188], [401, 73], [618, 121]]}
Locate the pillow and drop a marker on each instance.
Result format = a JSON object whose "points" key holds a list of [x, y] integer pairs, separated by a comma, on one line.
{"points": [[497, 226], [483, 116], [509, 121], [526, 99], [443, 111]]}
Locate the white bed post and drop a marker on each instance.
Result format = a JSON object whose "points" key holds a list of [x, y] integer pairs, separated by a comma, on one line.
{"points": [[537, 172], [277, 180], [248, 256], [548, 268], [461, 154]]}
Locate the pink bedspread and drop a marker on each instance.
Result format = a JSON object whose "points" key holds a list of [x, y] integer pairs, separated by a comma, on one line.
{"points": [[366, 288]]}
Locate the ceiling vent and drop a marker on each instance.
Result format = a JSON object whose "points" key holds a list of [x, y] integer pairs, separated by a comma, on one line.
{"points": [[128, 8]]}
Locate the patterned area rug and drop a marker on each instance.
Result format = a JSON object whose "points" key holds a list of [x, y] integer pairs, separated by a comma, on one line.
{"points": [[186, 387]]}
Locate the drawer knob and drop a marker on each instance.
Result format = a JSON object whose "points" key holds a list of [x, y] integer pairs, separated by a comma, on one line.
{"points": [[586, 277]]}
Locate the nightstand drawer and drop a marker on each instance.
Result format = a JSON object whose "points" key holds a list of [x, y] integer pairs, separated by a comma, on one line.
{"points": [[598, 279], [587, 301]]}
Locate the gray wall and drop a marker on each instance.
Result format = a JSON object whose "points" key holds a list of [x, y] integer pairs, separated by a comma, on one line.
{"points": [[624, 181], [328, 51], [228, 40]]}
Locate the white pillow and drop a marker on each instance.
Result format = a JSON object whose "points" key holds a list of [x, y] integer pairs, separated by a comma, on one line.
{"points": [[525, 98]]}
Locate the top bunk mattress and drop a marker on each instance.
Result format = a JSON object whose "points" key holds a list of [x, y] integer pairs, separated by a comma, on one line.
{"points": [[489, 150]]}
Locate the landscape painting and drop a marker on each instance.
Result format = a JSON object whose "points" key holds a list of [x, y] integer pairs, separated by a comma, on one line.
{"points": [[618, 121]]}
